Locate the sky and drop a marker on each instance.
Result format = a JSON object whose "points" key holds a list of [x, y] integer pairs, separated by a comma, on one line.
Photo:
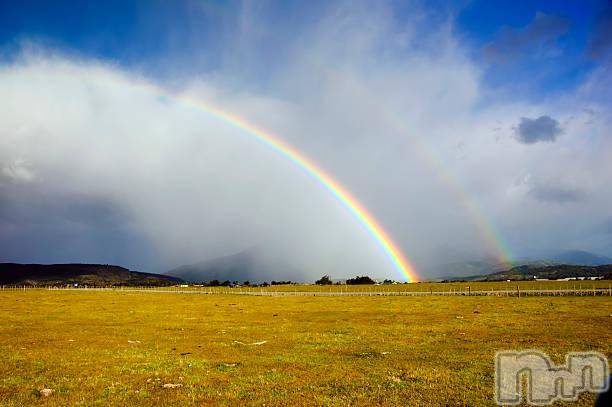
{"points": [[470, 130]]}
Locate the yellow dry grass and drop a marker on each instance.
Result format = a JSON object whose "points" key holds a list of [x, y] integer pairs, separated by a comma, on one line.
{"points": [[121, 348]]}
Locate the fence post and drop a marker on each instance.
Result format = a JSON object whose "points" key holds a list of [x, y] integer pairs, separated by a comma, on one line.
{"points": [[518, 291]]}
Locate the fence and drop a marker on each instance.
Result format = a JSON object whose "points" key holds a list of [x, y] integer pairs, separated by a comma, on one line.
{"points": [[514, 292]]}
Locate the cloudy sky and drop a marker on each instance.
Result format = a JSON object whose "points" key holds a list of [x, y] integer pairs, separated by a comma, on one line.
{"points": [[471, 130]]}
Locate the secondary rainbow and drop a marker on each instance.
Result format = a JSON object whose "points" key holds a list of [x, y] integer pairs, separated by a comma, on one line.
{"points": [[373, 228], [484, 224]]}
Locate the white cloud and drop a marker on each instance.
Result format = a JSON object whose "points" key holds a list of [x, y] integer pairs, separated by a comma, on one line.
{"points": [[370, 103]]}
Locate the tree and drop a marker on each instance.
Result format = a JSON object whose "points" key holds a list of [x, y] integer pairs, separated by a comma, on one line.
{"points": [[360, 280], [325, 280]]}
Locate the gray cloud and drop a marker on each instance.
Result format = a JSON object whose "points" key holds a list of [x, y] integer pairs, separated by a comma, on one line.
{"points": [[535, 39], [557, 194], [544, 128], [600, 43], [607, 225], [38, 224], [158, 184]]}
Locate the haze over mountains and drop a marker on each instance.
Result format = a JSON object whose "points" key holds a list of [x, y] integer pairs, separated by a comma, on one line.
{"points": [[470, 268], [582, 257], [256, 266], [249, 265]]}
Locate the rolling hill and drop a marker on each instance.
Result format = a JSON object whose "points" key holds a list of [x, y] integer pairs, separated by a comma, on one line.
{"points": [[529, 272], [82, 274], [479, 269]]}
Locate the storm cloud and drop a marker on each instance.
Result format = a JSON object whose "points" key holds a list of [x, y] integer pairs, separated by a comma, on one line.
{"points": [[96, 168], [538, 37], [557, 194], [543, 128]]}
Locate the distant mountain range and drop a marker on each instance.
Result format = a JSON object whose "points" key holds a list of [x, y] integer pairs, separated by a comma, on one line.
{"points": [[252, 265], [81, 274], [531, 272], [249, 265], [473, 269]]}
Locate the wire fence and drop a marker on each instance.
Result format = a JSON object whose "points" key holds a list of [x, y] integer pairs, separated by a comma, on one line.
{"points": [[467, 291]]}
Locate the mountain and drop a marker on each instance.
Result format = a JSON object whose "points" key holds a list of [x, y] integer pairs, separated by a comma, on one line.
{"points": [[581, 257], [82, 274], [528, 272], [464, 269], [249, 265], [475, 269]]}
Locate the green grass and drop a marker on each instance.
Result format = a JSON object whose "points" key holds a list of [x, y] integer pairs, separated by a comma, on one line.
{"points": [[319, 350]]}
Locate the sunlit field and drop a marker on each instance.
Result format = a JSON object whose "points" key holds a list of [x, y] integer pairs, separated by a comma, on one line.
{"points": [[453, 287], [602, 287], [128, 348]]}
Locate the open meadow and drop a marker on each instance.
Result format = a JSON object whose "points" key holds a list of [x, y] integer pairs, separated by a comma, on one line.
{"points": [[586, 287], [129, 348]]}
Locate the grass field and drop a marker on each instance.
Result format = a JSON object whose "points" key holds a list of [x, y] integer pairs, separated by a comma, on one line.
{"points": [[121, 348], [454, 286], [603, 286]]}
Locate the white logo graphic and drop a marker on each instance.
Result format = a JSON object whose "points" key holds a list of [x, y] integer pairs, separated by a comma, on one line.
{"points": [[546, 382]]}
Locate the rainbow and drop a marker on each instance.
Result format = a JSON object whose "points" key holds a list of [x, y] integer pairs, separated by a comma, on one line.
{"points": [[484, 225], [369, 223]]}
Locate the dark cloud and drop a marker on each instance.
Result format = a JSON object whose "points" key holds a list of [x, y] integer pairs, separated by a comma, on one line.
{"points": [[537, 36], [544, 128], [38, 225], [151, 185], [607, 225], [600, 44], [557, 194]]}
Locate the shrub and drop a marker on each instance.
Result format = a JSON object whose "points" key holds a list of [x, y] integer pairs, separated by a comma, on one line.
{"points": [[325, 280]]}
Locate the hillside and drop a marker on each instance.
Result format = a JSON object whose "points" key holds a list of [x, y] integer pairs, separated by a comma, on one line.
{"points": [[82, 274], [554, 272], [475, 270]]}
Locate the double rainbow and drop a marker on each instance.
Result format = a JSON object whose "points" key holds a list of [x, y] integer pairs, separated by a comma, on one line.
{"points": [[369, 223]]}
